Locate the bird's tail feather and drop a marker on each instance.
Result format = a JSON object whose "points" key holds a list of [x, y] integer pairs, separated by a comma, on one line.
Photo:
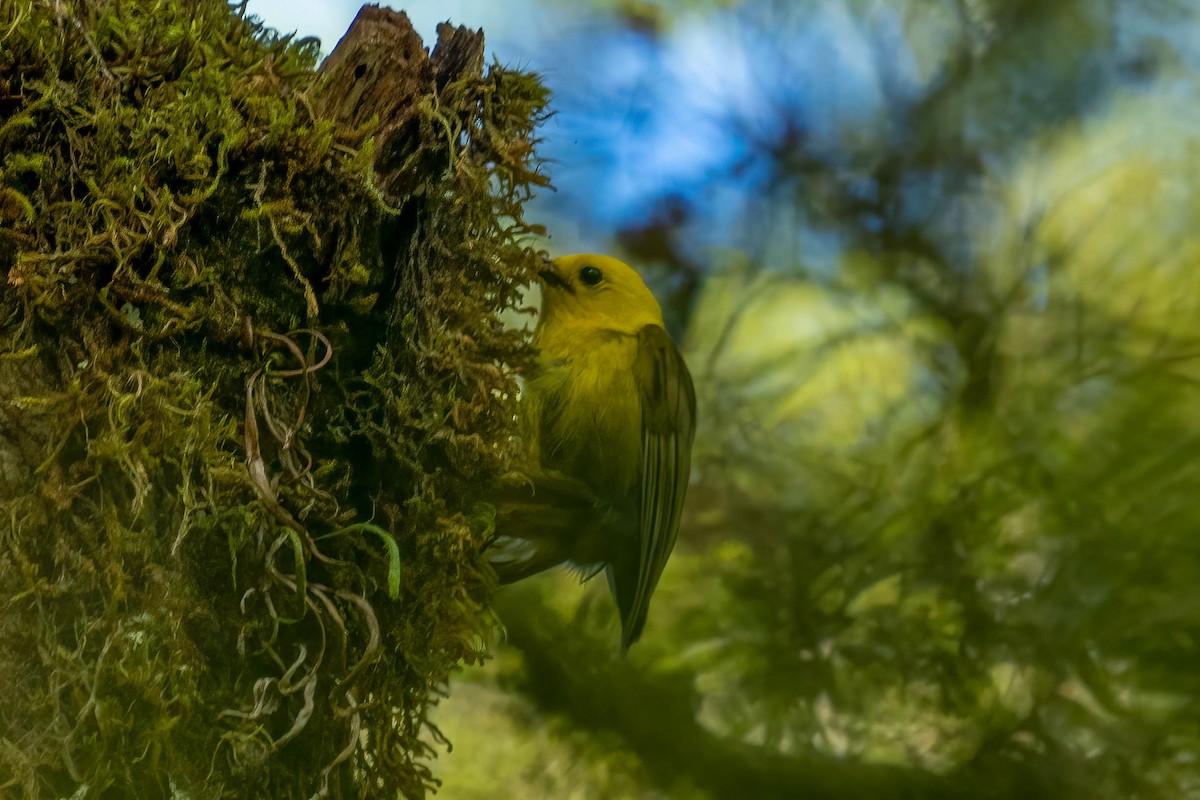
{"points": [[622, 582]]}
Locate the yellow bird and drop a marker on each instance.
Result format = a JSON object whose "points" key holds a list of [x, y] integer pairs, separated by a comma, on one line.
{"points": [[610, 415]]}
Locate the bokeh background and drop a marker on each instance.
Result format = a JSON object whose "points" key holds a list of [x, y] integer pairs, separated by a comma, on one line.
{"points": [[934, 264]]}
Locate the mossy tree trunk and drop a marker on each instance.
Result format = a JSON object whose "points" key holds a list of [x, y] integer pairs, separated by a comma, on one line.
{"points": [[251, 378]]}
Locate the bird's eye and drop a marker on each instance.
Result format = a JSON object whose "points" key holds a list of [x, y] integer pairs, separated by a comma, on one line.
{"points": [[590, 275]]}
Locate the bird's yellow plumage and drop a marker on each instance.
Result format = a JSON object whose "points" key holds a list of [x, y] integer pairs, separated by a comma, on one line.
{"points": [[610, 414]]}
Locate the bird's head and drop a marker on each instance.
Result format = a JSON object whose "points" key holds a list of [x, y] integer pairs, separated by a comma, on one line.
{"points": [[590, 289]]}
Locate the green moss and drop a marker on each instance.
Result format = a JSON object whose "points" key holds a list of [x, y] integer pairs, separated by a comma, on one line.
{"points": [[244, 403]]}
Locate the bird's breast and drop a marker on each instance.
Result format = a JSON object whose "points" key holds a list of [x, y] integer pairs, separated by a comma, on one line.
{"points": [[590, 415]]}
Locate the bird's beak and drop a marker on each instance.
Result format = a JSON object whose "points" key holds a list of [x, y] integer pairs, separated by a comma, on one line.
{"points": [[553, 279]]}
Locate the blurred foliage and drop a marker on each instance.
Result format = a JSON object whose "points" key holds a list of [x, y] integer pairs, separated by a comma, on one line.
{"points": [[505, 746], [946, 342], [251, 375]]}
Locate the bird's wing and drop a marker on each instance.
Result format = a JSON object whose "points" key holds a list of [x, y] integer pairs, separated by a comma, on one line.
{"points": [[668, 402]]}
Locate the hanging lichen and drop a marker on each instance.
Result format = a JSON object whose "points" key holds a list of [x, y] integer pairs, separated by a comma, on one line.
{"points": [[250, 372]]}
